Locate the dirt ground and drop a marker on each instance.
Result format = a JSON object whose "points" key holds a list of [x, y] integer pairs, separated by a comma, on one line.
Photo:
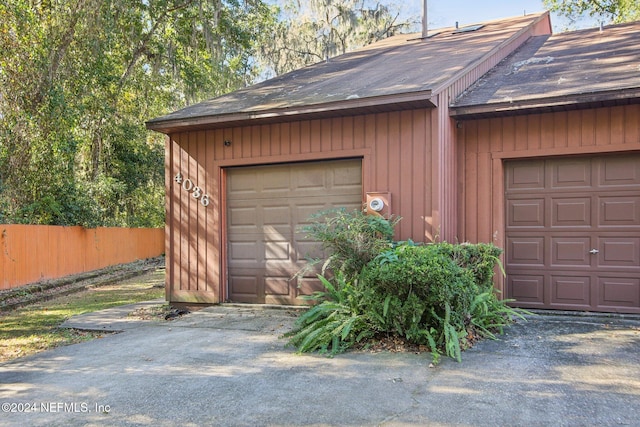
{"points": [[49, 289]]}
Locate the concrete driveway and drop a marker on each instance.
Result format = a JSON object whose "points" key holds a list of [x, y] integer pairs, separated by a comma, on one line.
{"points": [[227, 366]]}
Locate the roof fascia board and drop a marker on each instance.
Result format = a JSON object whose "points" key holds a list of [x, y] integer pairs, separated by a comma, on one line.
{"points": [[424, 98], [531, 105]]}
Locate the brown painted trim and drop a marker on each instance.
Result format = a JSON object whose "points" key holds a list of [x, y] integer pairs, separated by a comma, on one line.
{"points": [[566, 151], [201, 297], [367, 174], [295, 158], [548, 104], [168, 213], [412, 100], [498, 222], [222, 212]]}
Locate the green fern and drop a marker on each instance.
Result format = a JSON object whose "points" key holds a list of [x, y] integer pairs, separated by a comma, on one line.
{"points": [[333, 325]]}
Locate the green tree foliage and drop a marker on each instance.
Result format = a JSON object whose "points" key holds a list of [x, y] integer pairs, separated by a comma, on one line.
{"points": [[78, 78], [315, 30], [614, 11]]}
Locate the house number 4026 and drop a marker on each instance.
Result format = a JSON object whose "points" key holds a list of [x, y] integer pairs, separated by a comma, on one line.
{"points": [[196, 192]]}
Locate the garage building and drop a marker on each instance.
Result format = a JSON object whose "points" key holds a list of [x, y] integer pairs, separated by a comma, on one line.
{"points": [[499, 132]]}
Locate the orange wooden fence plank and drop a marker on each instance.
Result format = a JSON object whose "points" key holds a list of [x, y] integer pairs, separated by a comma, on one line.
{"points": [[31, 253]]}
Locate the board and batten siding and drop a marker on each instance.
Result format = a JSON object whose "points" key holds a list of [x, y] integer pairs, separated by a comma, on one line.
{"points": [[395, 148], [410, 154], [486, 143], [445, 152]]}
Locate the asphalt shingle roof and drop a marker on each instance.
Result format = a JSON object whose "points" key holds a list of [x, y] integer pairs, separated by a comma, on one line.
{"points": [[565, 68], [399, 69]]}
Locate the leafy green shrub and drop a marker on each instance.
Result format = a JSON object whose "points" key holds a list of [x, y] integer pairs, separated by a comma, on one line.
{"points": [[439, 295], [333, 325], [391, 315], [352, 239], [430, 292], [487, 312], [481, 259]]}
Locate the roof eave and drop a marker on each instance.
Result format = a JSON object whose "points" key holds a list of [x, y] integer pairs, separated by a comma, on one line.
{"points": [[549, 104], [412, 100]]}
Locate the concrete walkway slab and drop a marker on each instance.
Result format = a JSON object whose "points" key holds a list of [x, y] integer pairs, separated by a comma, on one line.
{"points": [[228, 366], [116, 319]]}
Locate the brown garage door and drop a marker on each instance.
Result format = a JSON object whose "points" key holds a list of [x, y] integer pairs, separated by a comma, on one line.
{"points": [[265, 206], [573, 233]]}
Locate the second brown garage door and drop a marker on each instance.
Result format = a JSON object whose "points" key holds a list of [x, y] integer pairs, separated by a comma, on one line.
{"points": [[573, 233], [265, 207]]}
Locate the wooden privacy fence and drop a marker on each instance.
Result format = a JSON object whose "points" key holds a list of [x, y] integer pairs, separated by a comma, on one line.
{"points": [[31, 253]]}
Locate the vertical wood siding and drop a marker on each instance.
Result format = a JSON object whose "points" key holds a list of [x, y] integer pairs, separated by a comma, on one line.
{"points": [[31, 253], [486, 143], [396, 154], [446, 157], [411, 154]]}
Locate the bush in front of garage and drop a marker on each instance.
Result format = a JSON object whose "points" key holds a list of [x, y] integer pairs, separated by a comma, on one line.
{"points": [[439, 296], [352, 239]]}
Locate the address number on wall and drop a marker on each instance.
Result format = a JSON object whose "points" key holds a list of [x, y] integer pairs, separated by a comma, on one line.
{"points": [[196, 192]]}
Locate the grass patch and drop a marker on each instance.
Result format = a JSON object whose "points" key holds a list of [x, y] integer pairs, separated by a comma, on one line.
{"points": [[35, 327]]}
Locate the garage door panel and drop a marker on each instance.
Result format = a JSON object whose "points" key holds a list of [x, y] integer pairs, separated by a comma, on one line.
{"points": [[571, 251], [255, 250], [571, 290], [308, 249], [619, 291], [525, 251], [619, 252], [276, 215], [277, 286], [526, 175], [569, 174], [244, 285], [276, 233], [313, 178], [525, 213], [620, 172], [571, 212], [243, 217], [263, 223], [277, 251], [308, 286], [279, 181], [253, 215], [302, 213], [305, 208], [353, 205], [347, 177], [527, 288], [244, 251], [242, 182], [589, 242], [619, 211]]}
